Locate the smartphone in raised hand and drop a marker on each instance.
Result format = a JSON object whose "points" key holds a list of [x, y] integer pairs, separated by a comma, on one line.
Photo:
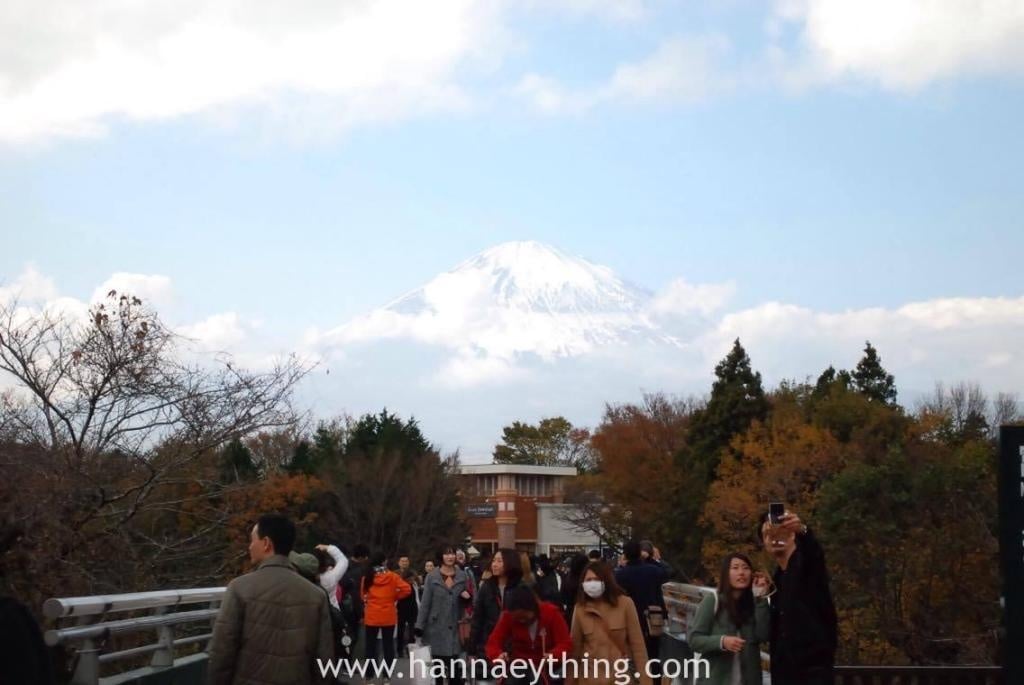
{"points": [[776, 510]]}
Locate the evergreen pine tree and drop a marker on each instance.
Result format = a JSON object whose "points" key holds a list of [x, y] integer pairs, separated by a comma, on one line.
{"points": [[302, 460], [827, 380], [824, 383], [871, 379], [237, 464], [737, 399]]}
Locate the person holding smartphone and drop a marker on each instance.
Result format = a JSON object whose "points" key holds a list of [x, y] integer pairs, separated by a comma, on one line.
{"points": [[804, 630]]}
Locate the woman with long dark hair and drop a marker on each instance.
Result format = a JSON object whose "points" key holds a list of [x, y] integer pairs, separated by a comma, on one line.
{"points": [[506, 573], [606, 628], [731, 624]]}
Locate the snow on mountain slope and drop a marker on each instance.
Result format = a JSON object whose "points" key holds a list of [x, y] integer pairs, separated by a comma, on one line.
{"points": [[513, 299]]}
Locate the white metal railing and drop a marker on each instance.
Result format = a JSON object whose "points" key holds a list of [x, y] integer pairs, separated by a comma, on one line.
{"points": [[92, 627]]}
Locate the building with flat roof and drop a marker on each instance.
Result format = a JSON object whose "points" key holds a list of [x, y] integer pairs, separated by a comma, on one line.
{"points": [[521, 507]]}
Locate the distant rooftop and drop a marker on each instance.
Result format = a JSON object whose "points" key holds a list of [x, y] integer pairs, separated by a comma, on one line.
{"points": [[522, 469]]}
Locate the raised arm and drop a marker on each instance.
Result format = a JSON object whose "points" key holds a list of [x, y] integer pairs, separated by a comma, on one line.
{"points": [[330, 578]]}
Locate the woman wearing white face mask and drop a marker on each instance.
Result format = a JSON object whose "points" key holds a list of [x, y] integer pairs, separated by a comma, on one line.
{"points": [[606, 630]]}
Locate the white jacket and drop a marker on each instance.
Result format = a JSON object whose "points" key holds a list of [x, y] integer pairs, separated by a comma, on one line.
{"points": [[330, 578]]}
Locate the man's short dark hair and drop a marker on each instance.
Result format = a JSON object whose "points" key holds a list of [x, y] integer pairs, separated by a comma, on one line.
{"points": [[631, 550], [593, 554], [360, 551], [279, 529]]}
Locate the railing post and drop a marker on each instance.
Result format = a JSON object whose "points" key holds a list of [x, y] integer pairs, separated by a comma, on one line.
{"points": [[213, 624], [164, 656], [87, 670]]}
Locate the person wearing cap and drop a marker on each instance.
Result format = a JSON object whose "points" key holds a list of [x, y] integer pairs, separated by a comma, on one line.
{"points": [[306, 564], [309, 567], [273, 625]]}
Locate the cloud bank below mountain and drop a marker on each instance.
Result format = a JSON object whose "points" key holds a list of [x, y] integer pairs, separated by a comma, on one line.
{"points": [[524, 331]]}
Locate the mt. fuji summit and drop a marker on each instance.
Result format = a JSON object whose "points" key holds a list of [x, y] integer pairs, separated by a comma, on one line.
{"points": [[517, 298]]}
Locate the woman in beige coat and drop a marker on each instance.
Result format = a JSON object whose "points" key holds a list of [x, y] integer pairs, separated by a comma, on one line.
{"points": [[606, 636]]}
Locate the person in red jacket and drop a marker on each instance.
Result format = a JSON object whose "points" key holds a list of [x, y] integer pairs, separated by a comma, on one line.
{"points": [[381, 589], [529, 630]]}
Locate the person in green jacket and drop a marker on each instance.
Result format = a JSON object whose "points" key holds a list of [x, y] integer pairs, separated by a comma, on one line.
{"points": [[731, 623]]}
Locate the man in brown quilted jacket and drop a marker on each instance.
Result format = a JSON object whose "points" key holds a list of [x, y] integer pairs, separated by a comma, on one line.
{"points": [[273, 624]]}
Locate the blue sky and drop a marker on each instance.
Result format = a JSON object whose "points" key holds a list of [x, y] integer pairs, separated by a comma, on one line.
{"points": [[834, 156]]}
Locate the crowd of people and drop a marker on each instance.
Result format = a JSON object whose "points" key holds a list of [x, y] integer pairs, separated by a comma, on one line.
{"points": [[297, 607]]}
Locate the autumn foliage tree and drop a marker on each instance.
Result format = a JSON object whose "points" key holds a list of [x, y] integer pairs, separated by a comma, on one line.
{"points": [[903, 504], [636, 482], [386, 486], [105, 428], [781, 459], [554, 441]]}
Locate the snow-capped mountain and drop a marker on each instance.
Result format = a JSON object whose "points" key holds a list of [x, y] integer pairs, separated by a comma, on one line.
{"points": [[532, 276], [516, 299]]}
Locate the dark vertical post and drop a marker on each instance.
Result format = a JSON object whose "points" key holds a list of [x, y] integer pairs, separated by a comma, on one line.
{"points": [[1011, 548]]}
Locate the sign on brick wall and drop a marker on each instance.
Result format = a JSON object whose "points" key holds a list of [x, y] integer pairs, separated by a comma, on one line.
{"points": [[482, 511]]}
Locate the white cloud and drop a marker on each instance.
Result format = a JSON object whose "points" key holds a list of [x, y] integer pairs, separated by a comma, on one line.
{"points": [[469, 369], [28, 286], [625, 11], [682, 70], [154, 290], [900, 45], [921, 342], [69, 68], [680, 298], [549, 96], [220, 332], [224, 332], [70, 308], [904, 44]]}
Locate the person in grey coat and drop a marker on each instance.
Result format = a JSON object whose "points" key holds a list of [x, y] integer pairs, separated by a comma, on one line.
{"points": [[446, 595], [731, 624]]}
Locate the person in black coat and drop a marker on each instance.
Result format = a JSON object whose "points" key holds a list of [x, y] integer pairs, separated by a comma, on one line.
{"points": [[24, 658], [506, 572], [351, 583], [549, 582], [571, 585], [804, 632], [642, 580]]}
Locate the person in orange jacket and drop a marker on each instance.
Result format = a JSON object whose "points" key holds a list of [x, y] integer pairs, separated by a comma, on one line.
{"points": [[381, 590], [529, 630]]}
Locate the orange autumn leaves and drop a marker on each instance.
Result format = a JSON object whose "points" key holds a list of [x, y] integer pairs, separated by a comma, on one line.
{"points": [[782, 460]]}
